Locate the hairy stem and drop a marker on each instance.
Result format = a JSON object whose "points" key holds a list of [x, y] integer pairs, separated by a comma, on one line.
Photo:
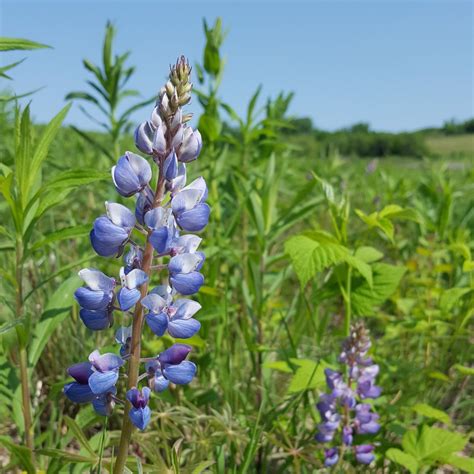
{"points": [[347, 319], [135, 348]]}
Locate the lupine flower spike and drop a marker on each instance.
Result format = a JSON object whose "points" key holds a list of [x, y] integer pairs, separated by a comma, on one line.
{"points": [[344, 415], [170, 144]]}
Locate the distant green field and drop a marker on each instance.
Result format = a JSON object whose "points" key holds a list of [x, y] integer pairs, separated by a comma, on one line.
{"points": [[446, 145]]}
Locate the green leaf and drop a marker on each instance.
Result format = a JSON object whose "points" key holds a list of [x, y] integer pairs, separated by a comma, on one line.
{"points": [[430, 412], [56, 311], [368, 254], [79, 435], [7, 327], [10, 44], [463, 463], [66, 455], [67, 233], [42, 148], [451, 296], [280, 365], [210, 126], [312, 252], [402, 458], [437, 444], [363, 268], [462, 369], [309, 375], [202, 466], [386, 279], [22, 453]]}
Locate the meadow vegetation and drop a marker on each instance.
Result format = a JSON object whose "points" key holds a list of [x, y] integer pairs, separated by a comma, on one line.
{"points": [[307, 235]]}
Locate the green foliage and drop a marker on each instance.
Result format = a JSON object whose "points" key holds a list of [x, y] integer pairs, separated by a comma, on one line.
{"points": [[430, 446], [109, 92]]}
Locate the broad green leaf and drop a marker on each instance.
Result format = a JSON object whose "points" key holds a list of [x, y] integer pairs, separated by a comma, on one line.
{"points": [[402, 458], [451, 296], [437, 444], [386, 279], [63, 234], [57, 309], [308, 375], [430, 412], [312, 252], [280, 365], [363, 268], [11, 44], [464, 463], [368, 254]]}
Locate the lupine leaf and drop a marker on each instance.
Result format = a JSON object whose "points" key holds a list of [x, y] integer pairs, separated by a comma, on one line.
{"points": [[22, 453], [66, 456]]}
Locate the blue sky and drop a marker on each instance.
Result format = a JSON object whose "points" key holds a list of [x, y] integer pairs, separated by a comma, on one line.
{"points": [[397, 65]]}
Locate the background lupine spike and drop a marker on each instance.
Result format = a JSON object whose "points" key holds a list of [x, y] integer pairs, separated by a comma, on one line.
{"points": [[343, 415]]}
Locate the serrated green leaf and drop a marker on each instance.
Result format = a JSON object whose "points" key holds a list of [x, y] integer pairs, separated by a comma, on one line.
{"points": [[309, 375], [430, 412], [451, 296], [386, 279], [368, 254], [437, 444], [463, 463], [404, 459]]}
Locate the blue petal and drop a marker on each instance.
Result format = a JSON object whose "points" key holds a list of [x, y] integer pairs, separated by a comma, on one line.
{"points": [[140, 417], [89, 299], [158, 323], [159, 239], [187, 283], [105, 362], [174, 354], [183, 328], [78, 393], [127, 298], [180, 374], [95, 320], [125, 179], [143, 138], [160, 384], [101, 382], [195, 219], [81, 372]]}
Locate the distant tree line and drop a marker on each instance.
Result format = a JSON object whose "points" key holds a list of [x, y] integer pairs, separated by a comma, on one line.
{"points": [[360, 140]]}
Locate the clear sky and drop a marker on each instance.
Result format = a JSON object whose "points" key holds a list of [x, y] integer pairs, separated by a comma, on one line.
{"points": [[397, 65]]}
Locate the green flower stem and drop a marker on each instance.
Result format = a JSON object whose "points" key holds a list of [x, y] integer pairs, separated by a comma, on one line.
{"points": [[134, 360], [22, 352]]}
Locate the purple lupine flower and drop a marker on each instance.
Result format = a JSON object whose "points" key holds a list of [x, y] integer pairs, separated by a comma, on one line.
{"points": [[131, 175], [331, 456], [171, 366], [191, 145], [96, 299], [105, 371], [160, 216], [342, 410], [140, 412], [130, 294], [111, 232], [189, 208], [176, 317], [184, 275], [364, 453]]}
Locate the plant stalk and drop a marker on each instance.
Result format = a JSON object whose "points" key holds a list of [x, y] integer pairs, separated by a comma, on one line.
{"points": [[135, 349], [22, 352]]}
